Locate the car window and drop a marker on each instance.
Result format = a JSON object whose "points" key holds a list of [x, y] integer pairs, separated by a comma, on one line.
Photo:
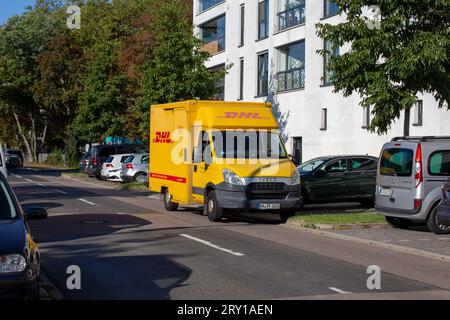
{"points": [[7, 209], [362, 164], [124, 158], [109, 160], [336, 166], [396, 162], [439, 163], [145, 160], [105, 152], [129, 159], [311, 165]]}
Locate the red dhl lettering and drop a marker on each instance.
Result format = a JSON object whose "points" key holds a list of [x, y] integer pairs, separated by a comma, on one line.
{"points": [[162, 137], [242, 115]]}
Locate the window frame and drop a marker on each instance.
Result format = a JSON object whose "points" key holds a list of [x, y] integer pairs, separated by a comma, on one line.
{"points": [[217, 18], [200, 11], [241, 78], [259, 93], [266, 20], [301, 21], [325, 13], [429, 163], [286, 63], [350, 165], [325, 62], [242, 25]]}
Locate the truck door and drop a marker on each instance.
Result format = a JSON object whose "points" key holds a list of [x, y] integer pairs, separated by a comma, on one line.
{"points": [[202, 160]]}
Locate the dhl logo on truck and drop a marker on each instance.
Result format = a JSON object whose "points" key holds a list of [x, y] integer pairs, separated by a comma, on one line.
{"points": [[162, 137], [242, 115]]}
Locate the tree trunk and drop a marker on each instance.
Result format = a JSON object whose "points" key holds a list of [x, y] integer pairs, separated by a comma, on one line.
{"points": [[407, 122], [24, 138]]}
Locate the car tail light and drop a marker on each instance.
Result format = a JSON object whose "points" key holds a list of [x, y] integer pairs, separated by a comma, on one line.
{"points": [[109, 165], [128, 166], [419, 166], [94, 162], [417, 204]]}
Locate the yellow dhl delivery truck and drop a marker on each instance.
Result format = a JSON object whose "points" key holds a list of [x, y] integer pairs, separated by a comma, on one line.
{"points": [[226, 156]]}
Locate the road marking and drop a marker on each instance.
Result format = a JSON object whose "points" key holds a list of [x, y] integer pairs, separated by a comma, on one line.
{"points": [[338, 290], [19, 177], [42, 185], [61, 192], [121, 213], [88, 202], [238, 254], [29, 180]]}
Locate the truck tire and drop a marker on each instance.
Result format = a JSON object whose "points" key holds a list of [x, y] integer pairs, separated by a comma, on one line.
{"points": [[398, 223], [212, 208], [168, 204], [434, 226]]}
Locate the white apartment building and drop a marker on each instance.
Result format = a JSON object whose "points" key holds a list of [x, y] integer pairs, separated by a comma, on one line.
{"points": [[272, 46]]}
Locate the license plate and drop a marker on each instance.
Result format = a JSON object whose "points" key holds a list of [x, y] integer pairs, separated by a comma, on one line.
{"points": [[269, 206], [385, 192]]}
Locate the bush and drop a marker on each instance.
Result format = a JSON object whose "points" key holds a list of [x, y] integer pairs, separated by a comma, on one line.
{"points": [[56, 158]]}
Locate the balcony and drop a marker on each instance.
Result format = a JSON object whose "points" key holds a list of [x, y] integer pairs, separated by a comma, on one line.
{"points": [[291, 17], [291, 79], [214, 46]]}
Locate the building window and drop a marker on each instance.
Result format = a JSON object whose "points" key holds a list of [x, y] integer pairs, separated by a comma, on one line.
{"points": [[241, 36], [291, 13], [206, 4], [220, 95], [366, 118], [291, 67], [330, 52], [212, 34], [323, 120], [418, 114], [263, 74], [263, 19], [330, 8], [241, 79]]}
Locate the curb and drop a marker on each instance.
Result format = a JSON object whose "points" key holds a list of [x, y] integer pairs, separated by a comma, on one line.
{"points": [[394, 247], [321, 226]]}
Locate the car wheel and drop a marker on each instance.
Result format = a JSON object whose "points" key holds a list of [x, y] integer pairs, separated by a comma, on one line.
{"points": [[168, 204], [212, 208], [140, 178], [398, 223], [434, 226]]}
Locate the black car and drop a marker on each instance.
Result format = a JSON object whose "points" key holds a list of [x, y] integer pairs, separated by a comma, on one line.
{"points": [[100, 153], [18, 154], [339, 179], [19, 254], [443, 214]]}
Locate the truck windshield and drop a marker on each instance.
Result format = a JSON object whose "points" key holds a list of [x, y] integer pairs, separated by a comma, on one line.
{"points": [[7, 209], [397, 162], [249, 145]]}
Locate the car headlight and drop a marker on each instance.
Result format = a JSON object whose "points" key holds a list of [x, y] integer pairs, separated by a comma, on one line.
{"points": [[231, 177], [13, 263], [295, 178]]}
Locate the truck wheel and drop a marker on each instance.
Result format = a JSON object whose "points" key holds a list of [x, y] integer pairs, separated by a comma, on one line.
{"points": [[434, 226], [213, 210], [398, 223], [168, 204]]}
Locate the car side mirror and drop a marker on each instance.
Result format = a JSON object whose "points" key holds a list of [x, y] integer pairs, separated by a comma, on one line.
{"points": [[36, 213]]}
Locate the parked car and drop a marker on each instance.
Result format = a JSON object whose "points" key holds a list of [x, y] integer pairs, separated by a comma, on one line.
{"points": [[409, 181], [113, 166], [135, 168], [100, 153], [19, 255], [16, 153], [84, 162], [13, 161], [3, 169], [339, 179], [443, 212]]}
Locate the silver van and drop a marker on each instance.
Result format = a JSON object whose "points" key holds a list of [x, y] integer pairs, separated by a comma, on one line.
{"points": [[410, 175]]}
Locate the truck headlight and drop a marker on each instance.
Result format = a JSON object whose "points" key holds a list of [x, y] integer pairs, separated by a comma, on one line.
{"points": [[295, 178], [13, 263], [231, 177]]}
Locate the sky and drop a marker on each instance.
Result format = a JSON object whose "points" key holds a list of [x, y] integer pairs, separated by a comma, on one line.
{"points": [[10, 7]]}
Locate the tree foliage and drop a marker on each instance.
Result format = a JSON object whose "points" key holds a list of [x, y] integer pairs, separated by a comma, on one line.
{"points": [[389, 65]]}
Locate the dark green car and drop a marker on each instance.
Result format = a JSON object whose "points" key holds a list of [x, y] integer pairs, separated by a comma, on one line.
{"points": [[339, 179]]}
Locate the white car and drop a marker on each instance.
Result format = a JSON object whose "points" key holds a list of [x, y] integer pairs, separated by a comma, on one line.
{"points": [[112, 166], [3, 169]]}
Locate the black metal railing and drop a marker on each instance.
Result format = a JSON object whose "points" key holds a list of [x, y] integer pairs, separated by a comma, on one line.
{"points": [[291, 79], [291, 17]]}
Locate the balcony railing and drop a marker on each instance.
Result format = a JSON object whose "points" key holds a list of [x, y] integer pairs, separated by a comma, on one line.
{"points": [[214, 46], [291, 17], [291, 79]]}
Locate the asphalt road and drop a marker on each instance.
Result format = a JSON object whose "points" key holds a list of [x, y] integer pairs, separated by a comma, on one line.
{"points": [[128, 247]]}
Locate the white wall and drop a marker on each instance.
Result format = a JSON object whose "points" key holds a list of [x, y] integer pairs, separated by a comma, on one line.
{"points": [[344, 134]]}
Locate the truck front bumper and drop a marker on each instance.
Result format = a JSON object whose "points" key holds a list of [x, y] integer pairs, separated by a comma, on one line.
{"points": [[241, 200]]}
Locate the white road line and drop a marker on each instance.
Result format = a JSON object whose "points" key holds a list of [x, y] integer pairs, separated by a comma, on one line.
{"points": [[19, 177], [338, 290], [238, 254], [29, 180], [88, 202], [42, 185], [61, 192]]}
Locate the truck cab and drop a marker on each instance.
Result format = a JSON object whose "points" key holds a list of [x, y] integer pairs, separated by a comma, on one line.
{"points": [[226, 156]]}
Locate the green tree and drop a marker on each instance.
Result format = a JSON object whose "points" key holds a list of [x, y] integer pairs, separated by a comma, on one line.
{"points": [[389, 65], [176, 71]]}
